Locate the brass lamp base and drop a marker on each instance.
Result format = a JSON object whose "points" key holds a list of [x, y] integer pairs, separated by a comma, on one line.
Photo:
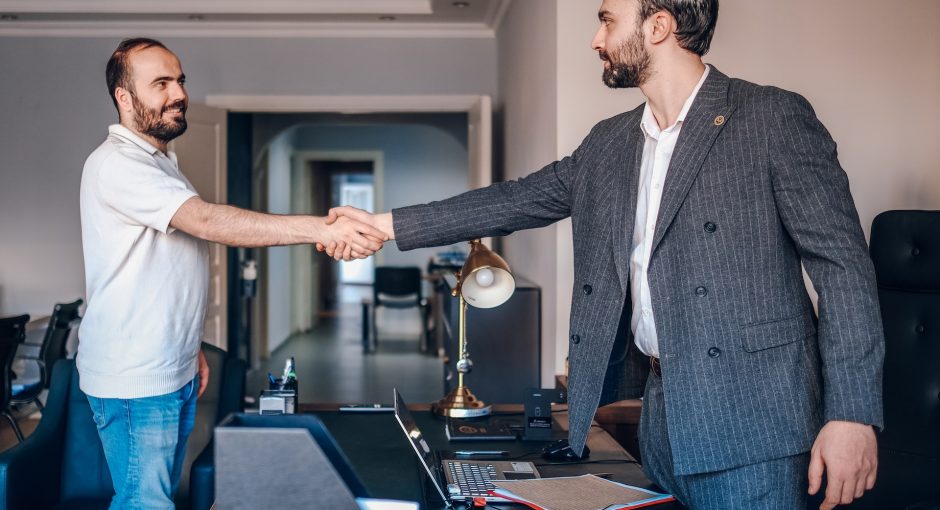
{"points": [[461, 403]]}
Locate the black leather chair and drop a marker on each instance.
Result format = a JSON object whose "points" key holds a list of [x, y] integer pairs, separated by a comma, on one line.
{"points": [[62, 465], [26, 392], [905, 248], [398, 287], [12, 334]]}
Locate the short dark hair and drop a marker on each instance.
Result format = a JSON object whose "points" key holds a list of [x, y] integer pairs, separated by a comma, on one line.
{"points": [[695, 20], [117, 73]]}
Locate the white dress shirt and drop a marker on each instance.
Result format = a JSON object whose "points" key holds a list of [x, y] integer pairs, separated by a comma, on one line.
{"points": [[657, 153]]}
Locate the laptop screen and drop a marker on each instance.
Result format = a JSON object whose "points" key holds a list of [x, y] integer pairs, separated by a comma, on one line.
{"points": [[413, 433]]}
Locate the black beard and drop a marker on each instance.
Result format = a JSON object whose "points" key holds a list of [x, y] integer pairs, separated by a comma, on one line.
{"points": [[150, 121], [633, 66]]}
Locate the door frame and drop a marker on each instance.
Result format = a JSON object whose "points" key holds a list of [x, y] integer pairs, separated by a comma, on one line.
{"points": [[479, 110], [304, 267]]}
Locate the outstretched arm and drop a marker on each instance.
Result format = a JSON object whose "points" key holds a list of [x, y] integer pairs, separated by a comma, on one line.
{"points": [[233, 226]]}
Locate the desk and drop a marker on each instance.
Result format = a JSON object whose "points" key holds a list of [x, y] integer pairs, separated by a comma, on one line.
{"points": [[377, 448]]}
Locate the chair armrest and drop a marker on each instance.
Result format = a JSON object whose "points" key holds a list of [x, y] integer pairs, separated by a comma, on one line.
{"points": [[202, 480], [30, 471]]}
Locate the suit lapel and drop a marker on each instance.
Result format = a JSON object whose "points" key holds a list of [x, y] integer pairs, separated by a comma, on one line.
{"points": [[627, 174], [706, 118]]}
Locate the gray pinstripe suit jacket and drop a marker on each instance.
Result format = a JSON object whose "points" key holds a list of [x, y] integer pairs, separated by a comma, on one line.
{"points": [[749, 372]]}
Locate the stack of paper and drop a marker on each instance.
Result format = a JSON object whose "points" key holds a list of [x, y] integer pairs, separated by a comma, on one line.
{"points": [[586, 492]]}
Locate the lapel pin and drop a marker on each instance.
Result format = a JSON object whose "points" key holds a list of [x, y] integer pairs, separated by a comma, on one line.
{"points": [[719, 120]]}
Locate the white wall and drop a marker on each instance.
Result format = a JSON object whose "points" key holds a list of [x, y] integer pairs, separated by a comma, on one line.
{"points": [[529, 102], [870, 68], [278, 274], [56, 111]]}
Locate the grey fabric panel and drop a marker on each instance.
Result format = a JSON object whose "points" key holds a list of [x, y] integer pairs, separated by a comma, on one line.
{"points": [[744, 355], [275, 468]]}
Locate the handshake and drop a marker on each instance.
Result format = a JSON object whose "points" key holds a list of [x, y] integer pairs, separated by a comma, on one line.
{"points": [[352, 233]]}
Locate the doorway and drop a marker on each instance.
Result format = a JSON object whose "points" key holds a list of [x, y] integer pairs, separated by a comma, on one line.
{"points": [[336, 182]]}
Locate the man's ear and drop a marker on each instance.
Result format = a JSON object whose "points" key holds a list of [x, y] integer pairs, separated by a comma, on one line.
{"points": [[124, 101], [662, 25]]}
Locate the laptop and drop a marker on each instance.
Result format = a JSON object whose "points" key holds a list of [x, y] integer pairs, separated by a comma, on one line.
{"points": [[459, 480]]}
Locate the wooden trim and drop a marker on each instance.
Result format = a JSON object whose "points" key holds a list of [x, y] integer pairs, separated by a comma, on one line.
{"points": [[219, 6], [343, 104], [246, 29]]}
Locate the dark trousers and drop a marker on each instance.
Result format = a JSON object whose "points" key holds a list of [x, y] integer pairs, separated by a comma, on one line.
{"points": [[775, 484]]}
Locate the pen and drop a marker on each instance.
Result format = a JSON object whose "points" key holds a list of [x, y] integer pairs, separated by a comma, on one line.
{"points": [[481, 453]]}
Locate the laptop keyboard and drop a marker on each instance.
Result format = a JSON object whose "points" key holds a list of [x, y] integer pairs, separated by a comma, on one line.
{"points": [[472, 479]]}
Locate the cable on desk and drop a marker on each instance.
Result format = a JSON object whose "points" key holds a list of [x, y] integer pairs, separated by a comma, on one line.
{"points": [[523, 455]]}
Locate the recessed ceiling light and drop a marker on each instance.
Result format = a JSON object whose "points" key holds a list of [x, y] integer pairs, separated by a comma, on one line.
{"points": [[461, 4], [197, 17], [387, 18], [9, 17]]}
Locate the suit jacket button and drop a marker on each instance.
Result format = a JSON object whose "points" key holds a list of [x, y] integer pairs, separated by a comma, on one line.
{"points": [[714, 352], [701, 291], [710, 227], [587, 290], [575, 339]]}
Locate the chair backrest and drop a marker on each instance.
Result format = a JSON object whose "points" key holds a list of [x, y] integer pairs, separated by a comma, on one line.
{"points": [[57, 334], [12, 334], [905, 249], [397, 282], [85, 473]]}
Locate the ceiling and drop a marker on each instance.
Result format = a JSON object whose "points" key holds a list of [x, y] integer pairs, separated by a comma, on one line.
{"points": [[252, 18]]}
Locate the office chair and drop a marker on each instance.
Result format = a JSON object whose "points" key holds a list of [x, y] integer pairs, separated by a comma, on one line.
{"points": [[12, 334], [225, 395], [905, 249], [62, 465], [51, 350], [398, 287]]}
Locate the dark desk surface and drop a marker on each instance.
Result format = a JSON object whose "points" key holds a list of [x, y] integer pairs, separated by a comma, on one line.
{"points": [[376, 446]]}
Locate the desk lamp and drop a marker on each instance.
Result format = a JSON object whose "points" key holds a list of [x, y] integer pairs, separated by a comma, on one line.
{"points": [[484, 281]]}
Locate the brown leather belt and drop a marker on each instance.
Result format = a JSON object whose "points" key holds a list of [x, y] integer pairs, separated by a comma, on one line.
{"points": [[655, 367]]}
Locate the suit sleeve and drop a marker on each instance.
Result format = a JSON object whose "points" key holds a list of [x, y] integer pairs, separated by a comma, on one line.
{"points": [[536, 200], [817, 210]]}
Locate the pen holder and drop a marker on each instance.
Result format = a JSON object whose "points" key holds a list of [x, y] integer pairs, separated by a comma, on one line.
{"points": [[280, 398]]}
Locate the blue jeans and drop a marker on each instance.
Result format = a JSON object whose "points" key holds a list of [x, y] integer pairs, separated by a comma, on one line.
{"points": [[144, 442]]}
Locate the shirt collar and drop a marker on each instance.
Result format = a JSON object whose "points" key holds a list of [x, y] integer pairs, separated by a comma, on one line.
{"points": [[651, 127], [130, 136]]}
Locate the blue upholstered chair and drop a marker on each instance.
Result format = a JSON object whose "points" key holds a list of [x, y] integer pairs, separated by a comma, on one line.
{"points": [[62, 465]]}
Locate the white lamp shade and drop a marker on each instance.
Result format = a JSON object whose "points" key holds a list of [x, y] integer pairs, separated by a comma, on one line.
{"points": [[487, 287]]}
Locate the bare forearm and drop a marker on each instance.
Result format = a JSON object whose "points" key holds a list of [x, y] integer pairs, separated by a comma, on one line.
{"points": [[385, 223], [231, 226]]}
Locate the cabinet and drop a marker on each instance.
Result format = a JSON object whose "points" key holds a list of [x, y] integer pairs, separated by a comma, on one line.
{"points": [[504, 343]]}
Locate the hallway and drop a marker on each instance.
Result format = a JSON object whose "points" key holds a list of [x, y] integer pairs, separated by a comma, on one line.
{"points": [[331, 367]]}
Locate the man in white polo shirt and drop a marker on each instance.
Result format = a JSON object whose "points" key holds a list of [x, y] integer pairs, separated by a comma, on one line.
{"points": [[144, 233]]}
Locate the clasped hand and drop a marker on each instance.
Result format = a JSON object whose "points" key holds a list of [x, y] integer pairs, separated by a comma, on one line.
{"points": [[360, 234]]}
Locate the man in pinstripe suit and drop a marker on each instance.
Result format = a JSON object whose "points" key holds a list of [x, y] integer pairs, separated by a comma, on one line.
{"points": [[691, 216]]}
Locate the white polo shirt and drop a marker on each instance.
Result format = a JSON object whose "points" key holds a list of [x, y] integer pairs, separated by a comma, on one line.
{"points": [[146, 283]]}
